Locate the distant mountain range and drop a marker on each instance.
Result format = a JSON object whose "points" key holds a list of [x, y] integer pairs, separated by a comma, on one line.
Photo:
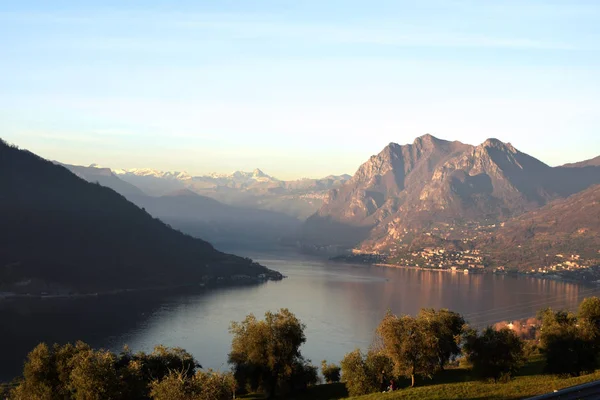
{"points": [[225, 225], [430, 193], [61, 234], [298, 198], [440, 188]]}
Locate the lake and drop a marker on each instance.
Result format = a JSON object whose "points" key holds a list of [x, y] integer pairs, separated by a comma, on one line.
{"points": [[340, 304]]}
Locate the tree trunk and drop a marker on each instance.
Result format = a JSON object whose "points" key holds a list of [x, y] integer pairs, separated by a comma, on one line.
{"points": [[412, 380], [273, 388]]}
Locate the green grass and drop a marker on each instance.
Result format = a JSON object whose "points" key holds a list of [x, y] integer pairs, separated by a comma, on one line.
{"points": [[457, 383]]}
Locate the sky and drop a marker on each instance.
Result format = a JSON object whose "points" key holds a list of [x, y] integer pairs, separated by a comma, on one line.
{"points": [[298, 88]]}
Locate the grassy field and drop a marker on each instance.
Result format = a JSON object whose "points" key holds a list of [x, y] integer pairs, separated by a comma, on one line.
{"points": [[457, 383]]}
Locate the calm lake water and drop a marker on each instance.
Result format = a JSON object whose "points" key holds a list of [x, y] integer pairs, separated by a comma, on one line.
{"points": [[340, 304]]}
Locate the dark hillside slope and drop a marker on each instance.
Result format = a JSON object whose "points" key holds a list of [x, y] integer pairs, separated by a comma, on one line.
{"points": [[105, 177], [61, 233]]}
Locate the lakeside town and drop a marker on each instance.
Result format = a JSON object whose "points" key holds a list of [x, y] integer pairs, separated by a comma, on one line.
{"points": [[567, 267]]}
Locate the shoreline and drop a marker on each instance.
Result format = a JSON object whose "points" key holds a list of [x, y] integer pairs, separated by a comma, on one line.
{"points": [[556, 278], [4, 295]]}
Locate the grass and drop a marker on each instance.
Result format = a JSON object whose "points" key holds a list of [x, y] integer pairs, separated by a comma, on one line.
{"points": [[457, 383]]}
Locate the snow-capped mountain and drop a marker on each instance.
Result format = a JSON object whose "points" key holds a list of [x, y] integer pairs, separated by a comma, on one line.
{"points": [[181, 175], [254, 189]]}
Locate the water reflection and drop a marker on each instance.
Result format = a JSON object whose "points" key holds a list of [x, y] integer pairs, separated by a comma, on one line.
{"points": [[341, 306]]}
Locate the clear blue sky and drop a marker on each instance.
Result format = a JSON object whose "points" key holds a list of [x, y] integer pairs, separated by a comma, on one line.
{"points": [[299, 87]]}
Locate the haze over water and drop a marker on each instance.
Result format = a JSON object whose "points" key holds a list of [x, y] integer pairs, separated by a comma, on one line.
{"points": [[340, 304]]}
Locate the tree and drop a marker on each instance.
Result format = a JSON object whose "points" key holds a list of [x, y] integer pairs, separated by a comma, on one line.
{"points": [[331, 372], [588, 316], [364, 374], [570, 346], [94, 376], [411, 346], [208, 385], [303, 375], [81, 373], [264, 353], [447, 327], [39, 377], [494, 353]]}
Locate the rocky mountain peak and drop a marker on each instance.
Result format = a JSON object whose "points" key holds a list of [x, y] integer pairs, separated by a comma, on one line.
{"points": [[427, 140], [498, 145], [257, 173]]}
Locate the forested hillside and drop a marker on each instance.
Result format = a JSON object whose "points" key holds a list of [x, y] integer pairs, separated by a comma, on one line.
{"points": [[62, 234]]}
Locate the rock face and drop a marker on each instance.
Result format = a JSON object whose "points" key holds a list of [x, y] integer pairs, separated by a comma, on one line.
{"points": [[411, 187]]}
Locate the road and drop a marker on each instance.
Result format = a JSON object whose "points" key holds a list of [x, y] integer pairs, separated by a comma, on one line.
{"points": [[582, 392]]}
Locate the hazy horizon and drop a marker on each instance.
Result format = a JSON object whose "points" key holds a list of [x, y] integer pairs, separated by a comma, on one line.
{"points": [[297, 89], [116, 168]]}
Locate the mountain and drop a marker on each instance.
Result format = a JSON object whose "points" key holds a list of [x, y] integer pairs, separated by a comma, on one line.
{"points": [[568, 226], [254, 190], [224, 225], [201, 216], [407, 190], [63, 234], [103, 176], [594, 162]]}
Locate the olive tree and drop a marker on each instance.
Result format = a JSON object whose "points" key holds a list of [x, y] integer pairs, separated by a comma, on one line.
{"points": [[570, 345], [494, 353], [410, 344], [178, 385], [331, 372], [366, 373], [265, 352], [447, 328]]}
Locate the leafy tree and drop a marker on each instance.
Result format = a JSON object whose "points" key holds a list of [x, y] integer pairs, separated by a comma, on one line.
{"points": [[410, 344], [264, 353], [570, 347], [94, 376], [208, 385], [364, 374], [303, 375], [81, 373], [588, 315], [39, 378], [331, 372], [494, 353], [447, 327]]}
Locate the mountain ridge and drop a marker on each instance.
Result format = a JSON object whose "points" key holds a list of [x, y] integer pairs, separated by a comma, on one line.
{"points": [[63, 234], [412, 187]]}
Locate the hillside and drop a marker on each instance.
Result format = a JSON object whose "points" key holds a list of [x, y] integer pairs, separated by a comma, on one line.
{"points": [[63, 234], [437, 186], [568, 226], [105, 177], [594, 162], [221, 224]]}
